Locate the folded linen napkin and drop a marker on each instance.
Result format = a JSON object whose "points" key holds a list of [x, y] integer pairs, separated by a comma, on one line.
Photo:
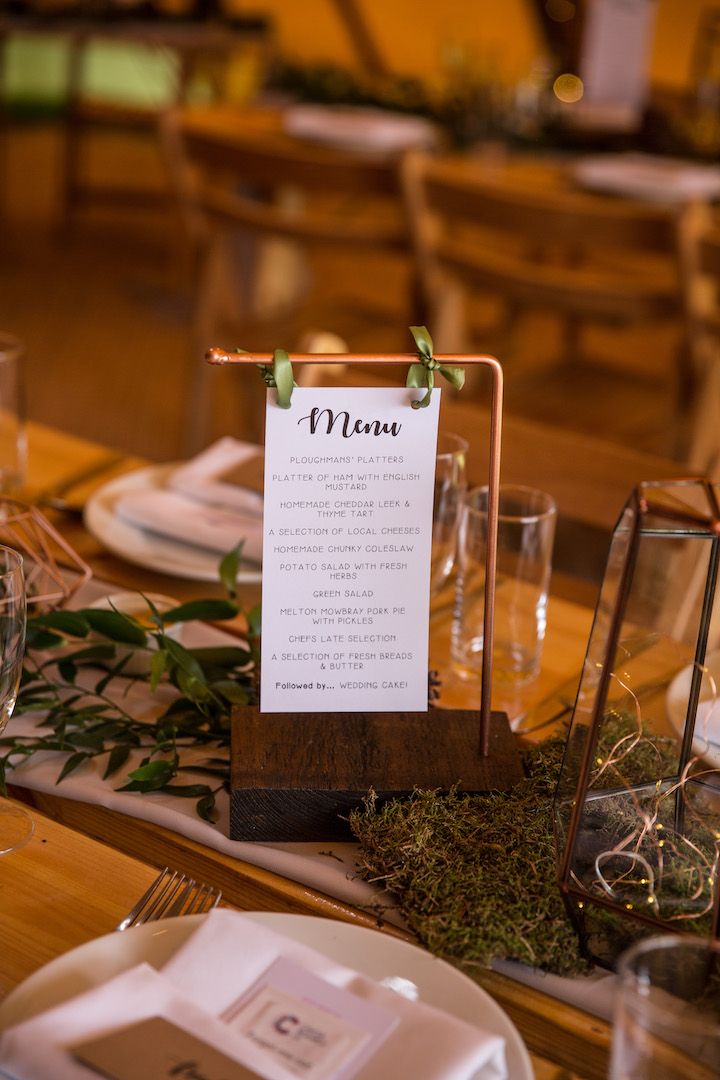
{"points": [[229, 953], [199, 988], [37, 1049], [212, 502], [360, 128], [191, 522], [229, 474], [646, 176]]}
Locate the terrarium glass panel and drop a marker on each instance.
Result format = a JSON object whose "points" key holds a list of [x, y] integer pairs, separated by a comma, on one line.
{"points": [[638, 802]]}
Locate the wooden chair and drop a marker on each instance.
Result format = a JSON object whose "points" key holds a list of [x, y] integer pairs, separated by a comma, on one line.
{"points": [[700, 261], [236, 185], [585, 257]]}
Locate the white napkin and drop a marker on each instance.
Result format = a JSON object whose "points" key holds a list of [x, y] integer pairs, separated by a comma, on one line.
{"points": [[645, 176], [228, 953], [359, 128], [222, 959], [201, 478], [191, 522], [198, 507], [35, 1049]]}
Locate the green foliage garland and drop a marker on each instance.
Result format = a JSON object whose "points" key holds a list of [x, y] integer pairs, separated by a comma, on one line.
{"points": [[80, 719]]}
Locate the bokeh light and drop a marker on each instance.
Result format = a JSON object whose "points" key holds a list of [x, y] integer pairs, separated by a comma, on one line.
{"points": [[560, 10], [568, 88]]}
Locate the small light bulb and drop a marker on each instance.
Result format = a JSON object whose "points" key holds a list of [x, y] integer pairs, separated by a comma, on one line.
{"points": [[568, 88]]}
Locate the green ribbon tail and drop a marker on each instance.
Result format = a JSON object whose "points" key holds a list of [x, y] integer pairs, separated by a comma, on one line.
{"points": [[423, 341], [417, 375], [454, 375], [425, 401], [283, 373]]}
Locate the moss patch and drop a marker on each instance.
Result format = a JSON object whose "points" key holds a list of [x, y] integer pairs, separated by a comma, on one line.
{"points": [[475, 875]]}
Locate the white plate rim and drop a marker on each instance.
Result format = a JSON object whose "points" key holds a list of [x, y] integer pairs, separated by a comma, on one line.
{"points": [[440, 983], [146, 549]]}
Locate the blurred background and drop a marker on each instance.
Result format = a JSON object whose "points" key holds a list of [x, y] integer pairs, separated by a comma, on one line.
{"points": [[105, 260]]}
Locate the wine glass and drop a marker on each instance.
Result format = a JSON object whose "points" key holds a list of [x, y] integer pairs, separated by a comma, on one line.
{"points": [[16, 826]]}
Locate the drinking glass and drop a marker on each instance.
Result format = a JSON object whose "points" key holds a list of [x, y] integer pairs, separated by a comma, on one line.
{"points": [[13, 439], [526, 530], [16, 826], [450, 488], [667, 1010]]}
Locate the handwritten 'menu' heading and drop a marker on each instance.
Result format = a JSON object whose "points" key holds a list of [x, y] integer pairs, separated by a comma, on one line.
{"points": [[347, 426]]}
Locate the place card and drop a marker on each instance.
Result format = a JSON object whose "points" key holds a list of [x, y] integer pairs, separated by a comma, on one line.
{"points": [[162, 1050], [349, 481], [312, 1028]]}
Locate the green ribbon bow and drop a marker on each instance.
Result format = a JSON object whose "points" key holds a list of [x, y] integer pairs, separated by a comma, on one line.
{"points": [[423, 373], [280, 375]]}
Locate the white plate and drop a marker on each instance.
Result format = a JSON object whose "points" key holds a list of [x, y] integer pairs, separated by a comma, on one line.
{"points": [[149, 549], [706, 741], [353, 127], [644, 176], [373, 954]]}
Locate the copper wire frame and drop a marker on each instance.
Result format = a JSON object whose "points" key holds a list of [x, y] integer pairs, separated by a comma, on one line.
{"points": [[219, 356], [46, 555], [642, 504]]}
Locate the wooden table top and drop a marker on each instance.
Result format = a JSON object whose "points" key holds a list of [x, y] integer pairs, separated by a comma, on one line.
{"points": [[86, 864]]}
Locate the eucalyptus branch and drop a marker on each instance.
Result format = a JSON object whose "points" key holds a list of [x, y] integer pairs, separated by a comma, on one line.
{"points": [[82, 719]]}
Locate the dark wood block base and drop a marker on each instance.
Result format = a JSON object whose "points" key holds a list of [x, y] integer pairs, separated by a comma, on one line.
{"points": [[296, 776]]}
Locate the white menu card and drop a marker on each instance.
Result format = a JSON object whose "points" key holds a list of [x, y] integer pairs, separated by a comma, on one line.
{"points": [[349, 483]]}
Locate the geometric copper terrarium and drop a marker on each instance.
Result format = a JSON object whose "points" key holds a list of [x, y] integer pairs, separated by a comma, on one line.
{"points": [[53, 570], [637, 808]]}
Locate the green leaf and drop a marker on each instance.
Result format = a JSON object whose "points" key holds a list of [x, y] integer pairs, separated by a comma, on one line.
{"points": [[236, 695], [116, 759], [221, 656], [154, 773], [184, 659], [206, 808], [117, 669], [207, 610], [230, 567], [254, 620], [68, 670], [192, 687], [71, 764], [187, 791], [116, 626], [73, 623], [37, 638], [283, 373], [158, 664], [417, 375], [92, 653], [86, 738], [423, 341]]}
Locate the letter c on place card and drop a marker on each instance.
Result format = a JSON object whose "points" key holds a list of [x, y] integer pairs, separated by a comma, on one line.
{"points": [[349, 482]]}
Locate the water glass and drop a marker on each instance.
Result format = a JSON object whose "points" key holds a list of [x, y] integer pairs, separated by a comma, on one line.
{"points": [[526, 531], [667, 1010], [13, 440], [450, 489]]}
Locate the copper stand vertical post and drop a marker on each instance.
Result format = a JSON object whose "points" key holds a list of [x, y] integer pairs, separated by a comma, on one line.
{"points": [[219, 356]]}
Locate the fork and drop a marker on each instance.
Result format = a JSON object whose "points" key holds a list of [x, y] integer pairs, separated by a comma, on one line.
{"points": [[171, 893]]}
